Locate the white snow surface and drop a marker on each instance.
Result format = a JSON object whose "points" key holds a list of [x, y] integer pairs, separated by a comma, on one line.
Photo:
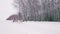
{"points": [[29, 27]]}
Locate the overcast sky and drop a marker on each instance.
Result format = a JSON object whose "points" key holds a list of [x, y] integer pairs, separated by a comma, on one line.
{"points": [[6, 9]]}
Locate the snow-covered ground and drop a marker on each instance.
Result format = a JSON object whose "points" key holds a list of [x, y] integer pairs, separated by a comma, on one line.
{"points": [[8, 27]]}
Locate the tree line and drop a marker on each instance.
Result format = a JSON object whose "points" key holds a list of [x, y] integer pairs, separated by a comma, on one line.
{"points": [[39, 10]]}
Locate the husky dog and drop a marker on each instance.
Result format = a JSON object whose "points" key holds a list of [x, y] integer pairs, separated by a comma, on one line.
{"points": [[15, 18]]}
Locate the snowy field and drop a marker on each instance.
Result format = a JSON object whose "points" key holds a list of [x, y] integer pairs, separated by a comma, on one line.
{"points": [[8, 27]]}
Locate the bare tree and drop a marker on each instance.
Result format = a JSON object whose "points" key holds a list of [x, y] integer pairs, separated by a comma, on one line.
{"points": [[49, 10], [19, 4], [34, 8], [29, 8]]}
